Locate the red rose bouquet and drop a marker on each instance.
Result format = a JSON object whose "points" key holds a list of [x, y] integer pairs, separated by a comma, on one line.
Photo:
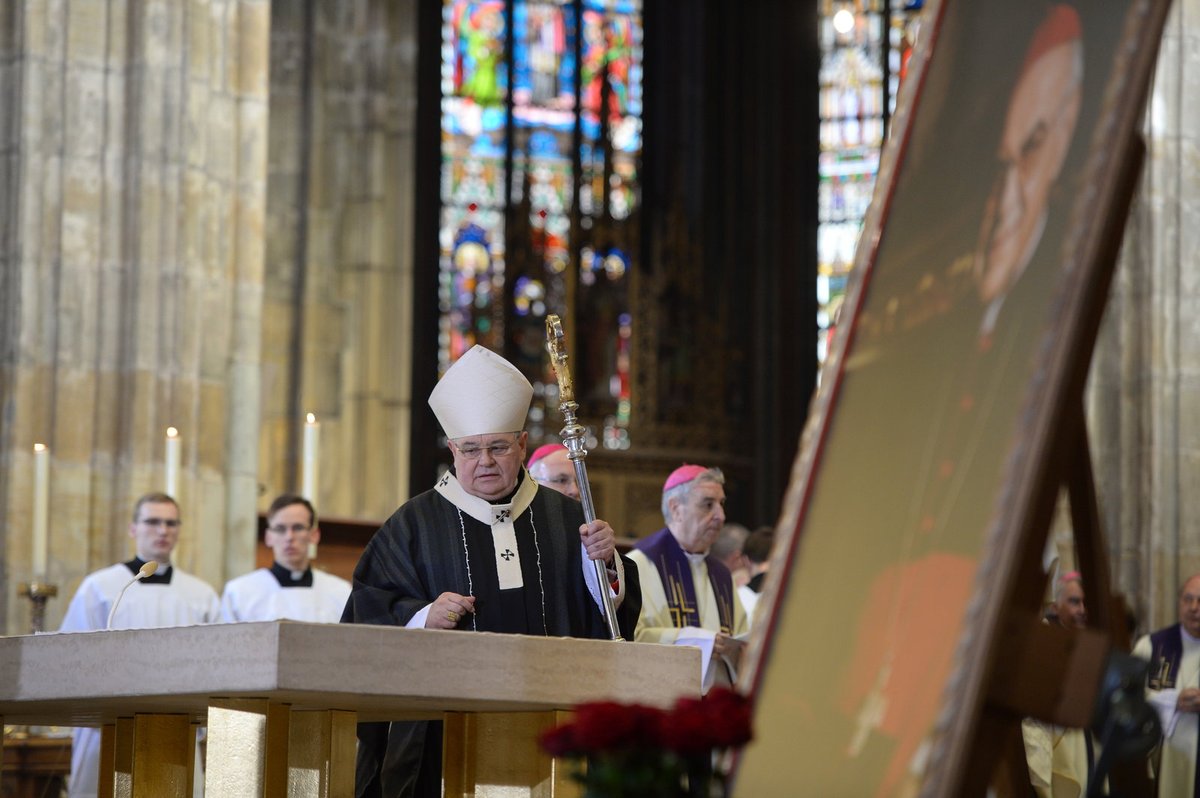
{"points": [[633, 750]]}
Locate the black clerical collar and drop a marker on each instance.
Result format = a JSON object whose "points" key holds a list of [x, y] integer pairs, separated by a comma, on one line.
{"points": [[160, 577], [286, 579], [512, 495]]}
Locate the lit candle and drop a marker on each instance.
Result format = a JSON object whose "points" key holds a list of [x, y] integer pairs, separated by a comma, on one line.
{"points": [[312, 446], [41, 509], [171, 462]]}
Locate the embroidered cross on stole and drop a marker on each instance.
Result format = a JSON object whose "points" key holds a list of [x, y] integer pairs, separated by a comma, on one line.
{"points": [[675, 571]]}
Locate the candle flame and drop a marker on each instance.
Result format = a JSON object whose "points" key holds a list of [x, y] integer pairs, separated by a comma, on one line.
{"points": [[172, 432], [39, 447], [312, 419]]}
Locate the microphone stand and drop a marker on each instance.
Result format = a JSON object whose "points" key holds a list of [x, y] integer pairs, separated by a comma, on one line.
{"points": [[147, 569], [573, 434]]}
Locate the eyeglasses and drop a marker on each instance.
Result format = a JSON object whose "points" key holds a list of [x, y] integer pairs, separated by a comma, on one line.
{"points": [[169, 523], [561, 480], [496, 450], [283, 529]]}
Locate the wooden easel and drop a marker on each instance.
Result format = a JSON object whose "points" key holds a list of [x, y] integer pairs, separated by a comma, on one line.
{"points": [[1047, 671]]}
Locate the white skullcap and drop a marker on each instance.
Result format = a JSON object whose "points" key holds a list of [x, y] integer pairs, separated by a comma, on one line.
{"points": [[481, 394]]}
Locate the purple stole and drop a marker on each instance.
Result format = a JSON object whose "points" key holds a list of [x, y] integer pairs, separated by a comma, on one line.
{"points": [[1166, 650], [675, 571]]}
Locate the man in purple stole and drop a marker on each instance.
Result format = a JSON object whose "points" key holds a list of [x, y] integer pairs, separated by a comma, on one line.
{"points": [[1173, 688], [688, 598]]}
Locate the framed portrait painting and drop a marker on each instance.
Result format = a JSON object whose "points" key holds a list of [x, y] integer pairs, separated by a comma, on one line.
{"points": [[958, 359]]}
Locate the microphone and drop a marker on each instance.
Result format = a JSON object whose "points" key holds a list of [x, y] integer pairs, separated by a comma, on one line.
{"points": [[146, 570]]}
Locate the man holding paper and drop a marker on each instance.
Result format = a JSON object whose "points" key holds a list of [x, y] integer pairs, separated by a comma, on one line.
{"points": [[688, 598], [1173, 688]]}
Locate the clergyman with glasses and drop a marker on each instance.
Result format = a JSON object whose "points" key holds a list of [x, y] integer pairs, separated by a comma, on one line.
{"points": [[291, 588], [169, 597], [486, 549], [551, 466]]}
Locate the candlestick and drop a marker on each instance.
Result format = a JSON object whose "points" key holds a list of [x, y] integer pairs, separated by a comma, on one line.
{"points": [[312, 466], [37, 593], [41, 509], [171, 463]]}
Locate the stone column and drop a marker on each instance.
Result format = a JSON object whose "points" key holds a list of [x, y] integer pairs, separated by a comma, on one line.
{"points": [[1144, 394], [337, 329], [131, 213]]}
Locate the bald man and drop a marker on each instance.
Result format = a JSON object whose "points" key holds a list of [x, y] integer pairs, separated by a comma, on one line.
{"points": [[1173, 688], [1061, 759], [1069, 605], [551, 466]]}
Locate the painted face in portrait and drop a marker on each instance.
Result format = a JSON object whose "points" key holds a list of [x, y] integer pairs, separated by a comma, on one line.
{"points": [[696, 520], [1038, 129], [156, 531], [487, 466]]}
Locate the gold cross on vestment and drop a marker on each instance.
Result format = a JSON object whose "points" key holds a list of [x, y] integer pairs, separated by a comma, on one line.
{"points": [[871, 715]]}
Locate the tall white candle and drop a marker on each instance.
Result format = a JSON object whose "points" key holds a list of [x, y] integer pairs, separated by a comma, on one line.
{"points": [[171, 462], [311, 462], [41, 509]]}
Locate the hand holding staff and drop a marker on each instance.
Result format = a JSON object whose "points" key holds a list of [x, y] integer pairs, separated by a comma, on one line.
{"points": [[572, 436]]}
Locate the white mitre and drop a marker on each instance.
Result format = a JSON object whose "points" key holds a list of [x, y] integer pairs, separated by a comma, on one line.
{"points": [[481, 394]]}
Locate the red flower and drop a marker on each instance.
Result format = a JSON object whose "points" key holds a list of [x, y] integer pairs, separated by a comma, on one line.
{"points": [[603, 726], [608, 726], [719, 720], [560, 741], [694, 726]]}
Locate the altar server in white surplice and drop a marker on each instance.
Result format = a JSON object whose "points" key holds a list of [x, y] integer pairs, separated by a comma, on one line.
{"points": [[291, 588], [167, 598]]}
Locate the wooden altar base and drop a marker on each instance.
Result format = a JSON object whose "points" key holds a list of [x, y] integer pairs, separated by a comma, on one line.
{"points": [[281, 700]]}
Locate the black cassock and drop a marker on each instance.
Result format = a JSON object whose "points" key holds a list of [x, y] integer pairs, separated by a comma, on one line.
{"points": [[417, 555]]}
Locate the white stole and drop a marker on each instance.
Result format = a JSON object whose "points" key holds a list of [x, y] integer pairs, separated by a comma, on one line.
{"points": [[499, 518]]}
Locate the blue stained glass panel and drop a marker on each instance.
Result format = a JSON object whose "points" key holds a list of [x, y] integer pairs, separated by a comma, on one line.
{"points": [[510, 123]]}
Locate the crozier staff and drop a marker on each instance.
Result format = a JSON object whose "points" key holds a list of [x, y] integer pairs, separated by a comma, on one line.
{"points": [[573, 435], [551, 466], [486, 549]]}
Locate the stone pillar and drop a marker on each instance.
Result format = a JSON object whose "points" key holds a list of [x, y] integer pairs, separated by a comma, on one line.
{"points": [[1144, 393], [337, 328], [132, 192]]}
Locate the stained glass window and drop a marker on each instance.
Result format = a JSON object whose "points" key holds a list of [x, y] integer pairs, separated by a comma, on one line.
{"points": [[541, 135], [864, 49]]}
